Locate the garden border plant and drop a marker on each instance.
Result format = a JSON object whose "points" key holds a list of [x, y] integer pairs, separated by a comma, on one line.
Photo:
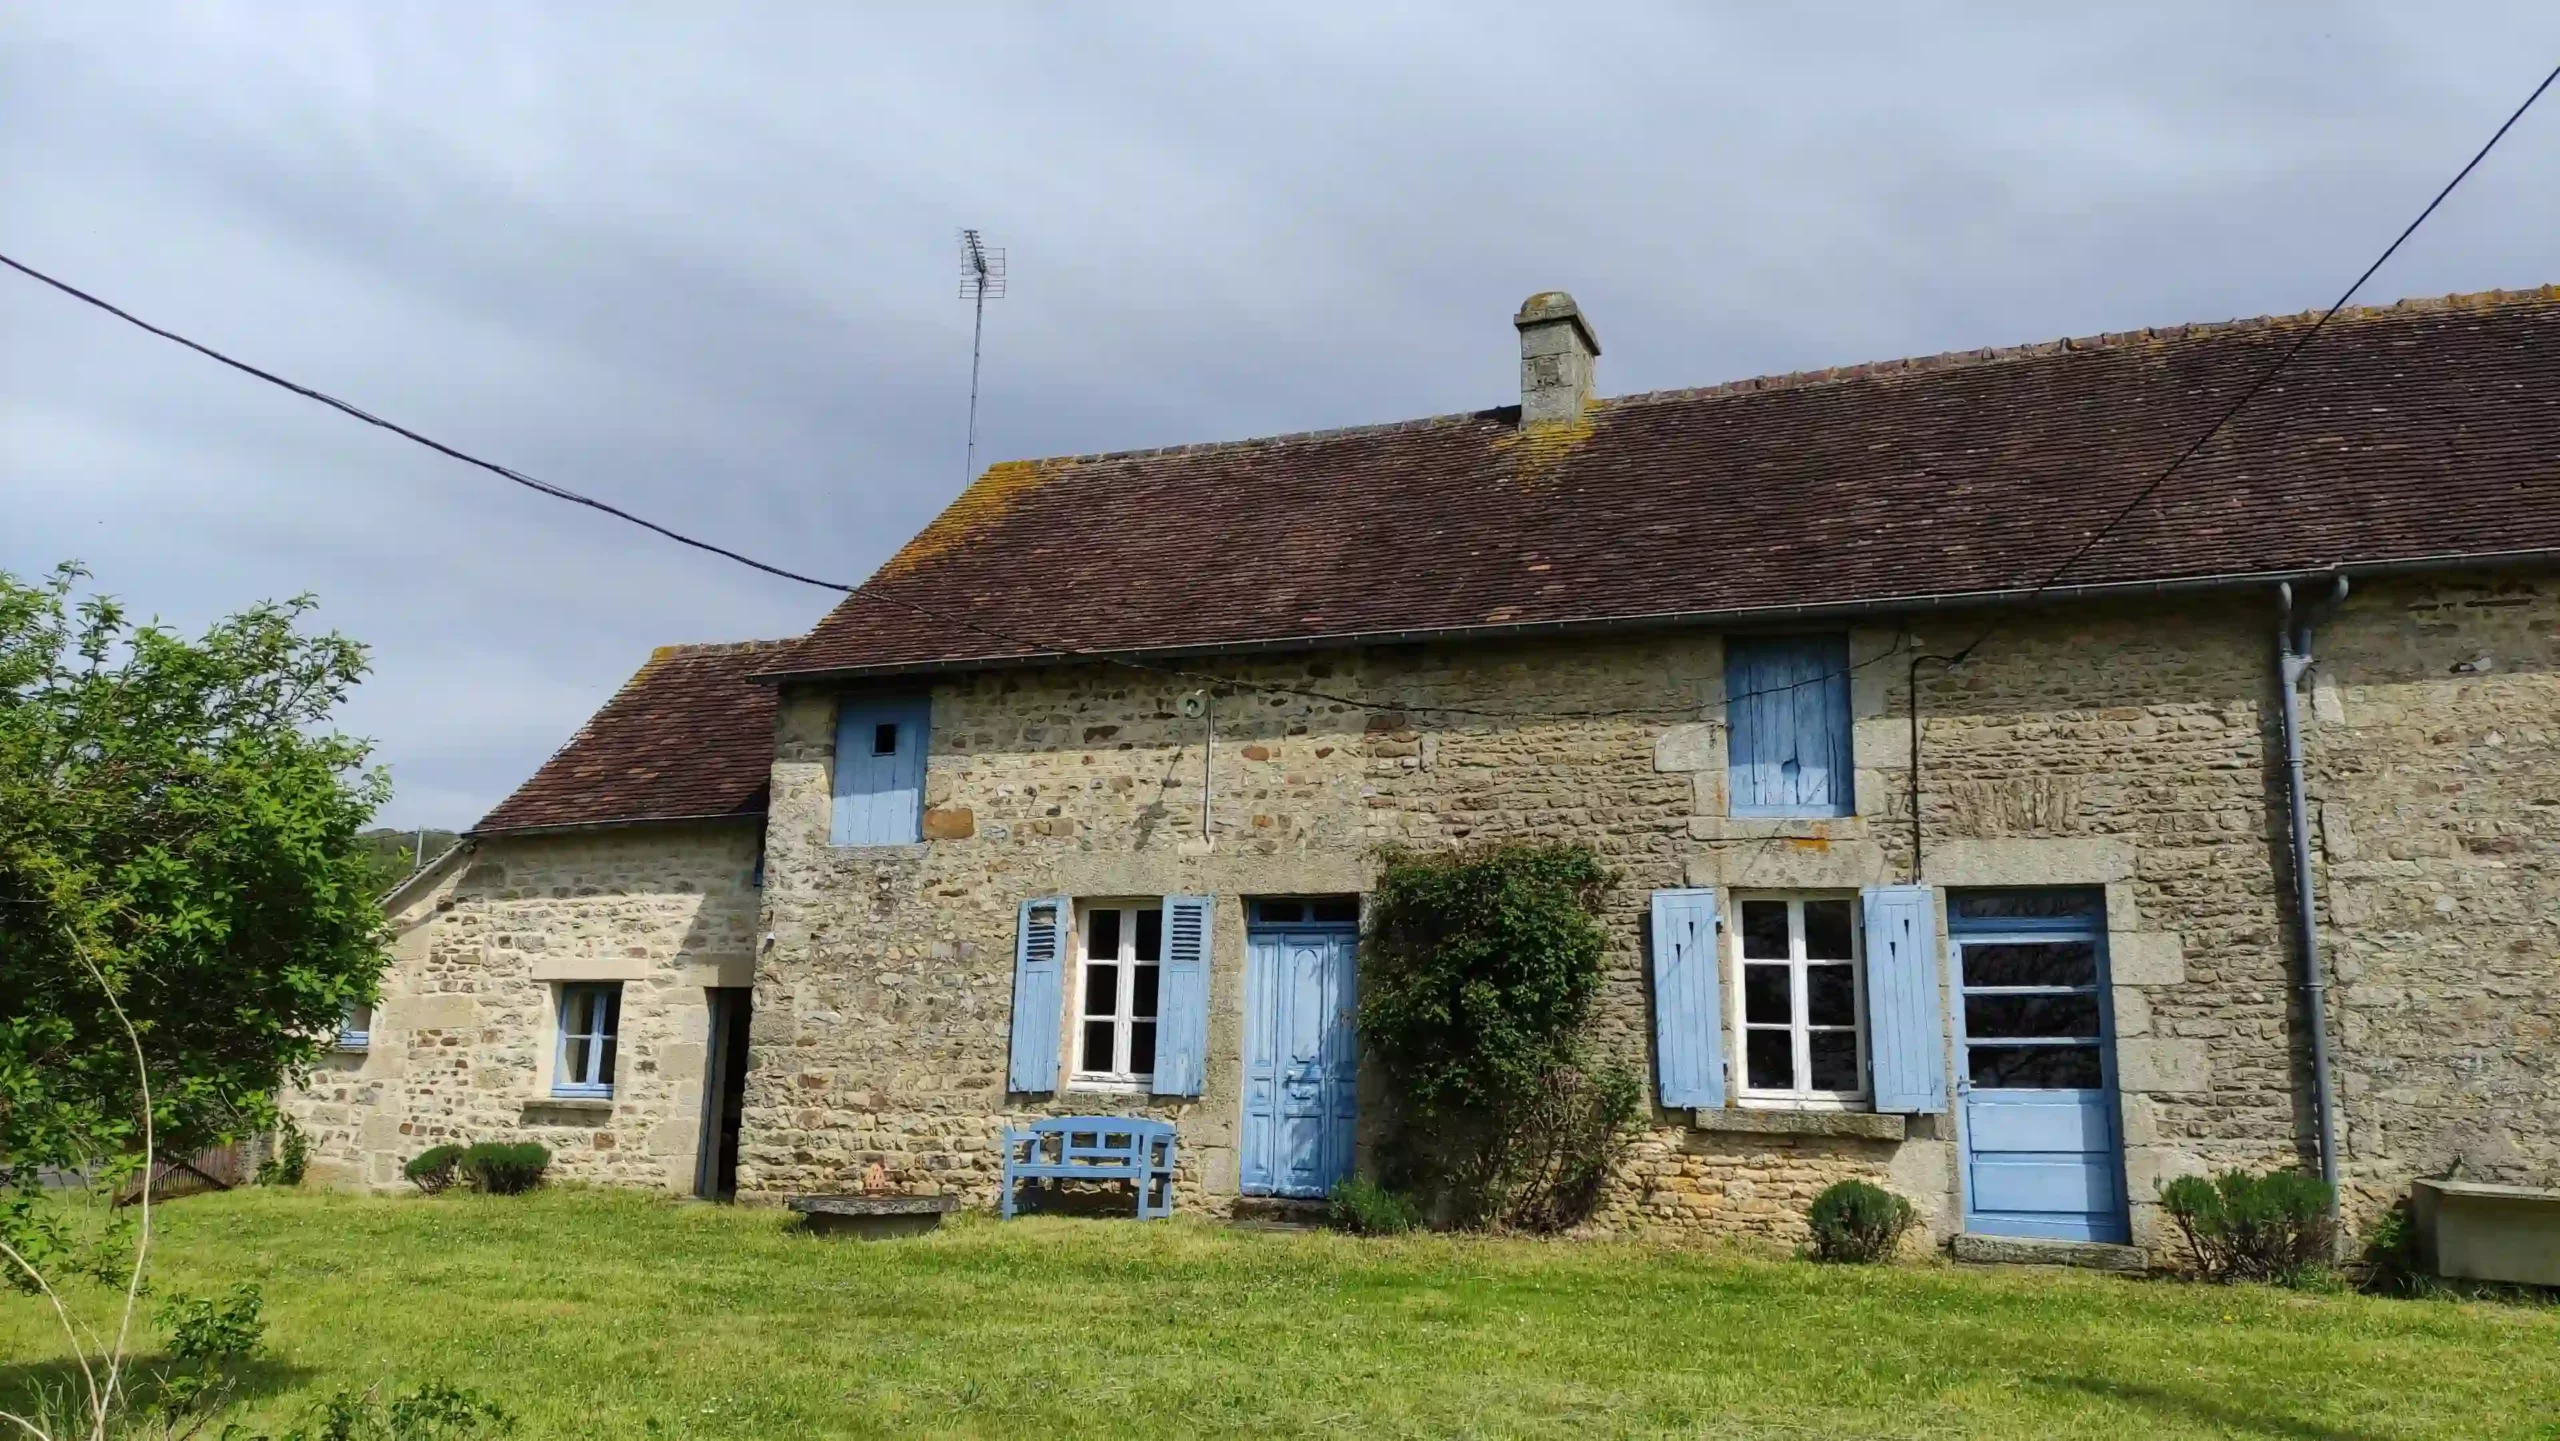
{"points": [[1479, 967], [2243, 1225]]}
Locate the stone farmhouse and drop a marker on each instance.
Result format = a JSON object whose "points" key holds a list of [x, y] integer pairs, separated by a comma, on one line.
{"points": [[2235, 841]]}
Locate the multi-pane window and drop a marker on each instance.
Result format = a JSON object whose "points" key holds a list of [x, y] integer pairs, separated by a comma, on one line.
{"points": [[355, 1026], [1119, 951], [1801, 1017], [590, 1015]]}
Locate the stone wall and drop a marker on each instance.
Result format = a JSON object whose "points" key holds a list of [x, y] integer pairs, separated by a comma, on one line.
{"points": [[2127, 747], [463, 1044], [2433, 745]]}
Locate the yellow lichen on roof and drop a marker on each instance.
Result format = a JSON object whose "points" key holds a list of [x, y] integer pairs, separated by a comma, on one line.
{"points": [[985, 501], [1536, 450]]}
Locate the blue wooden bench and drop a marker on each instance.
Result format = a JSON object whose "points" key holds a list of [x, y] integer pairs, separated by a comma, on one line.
{"points": [[1094, 1148]]}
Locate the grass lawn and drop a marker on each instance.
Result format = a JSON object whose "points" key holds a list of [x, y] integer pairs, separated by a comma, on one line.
{"points": [[599, 1315]]}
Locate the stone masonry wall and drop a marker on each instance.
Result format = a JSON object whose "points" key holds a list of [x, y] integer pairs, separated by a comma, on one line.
{"points": [[2433, 739], [2128, 746], [463, 1044]]}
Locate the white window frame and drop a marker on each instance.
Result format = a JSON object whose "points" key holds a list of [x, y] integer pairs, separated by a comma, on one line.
{"points": [[355, 1026], [1082, 1077], [1799, 1029], [608, 1031]]}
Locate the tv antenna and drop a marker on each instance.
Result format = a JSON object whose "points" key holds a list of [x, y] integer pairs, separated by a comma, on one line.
{"points": [[981, 280]]}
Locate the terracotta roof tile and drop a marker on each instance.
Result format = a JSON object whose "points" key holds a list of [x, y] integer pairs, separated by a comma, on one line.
{"points": [[2423, 429], [688, 737]]}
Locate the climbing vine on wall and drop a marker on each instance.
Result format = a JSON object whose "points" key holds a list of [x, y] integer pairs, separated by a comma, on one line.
{"points": [[1478, 969]]}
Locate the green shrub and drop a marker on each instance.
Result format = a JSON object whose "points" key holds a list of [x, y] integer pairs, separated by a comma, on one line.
{"points": [[2244, 1226], [2390, 1265], [432, 1169], [207, 1332], [290, 1159], [1478, 968], [431, 1412], [1369, 1208], [505, 1168], [1856, 1222]]}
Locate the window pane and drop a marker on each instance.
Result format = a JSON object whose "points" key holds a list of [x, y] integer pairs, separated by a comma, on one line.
{"points": [[1831, 995], [612, 999], [1826, 931], [2030, 1016], [1142, 1048], [2031, 963], [604, 1070], [1764, 930], [2035, 905], [1771, 1060], [1150, 946], [1097, 1046], [884, 739], [577, 1007], [1337, 910], [1102, 935], [573, 1065], [1142, 993], [2069, 1068], [1765, 996], [1835, 1060], [1282, 913], [1101, 990]]}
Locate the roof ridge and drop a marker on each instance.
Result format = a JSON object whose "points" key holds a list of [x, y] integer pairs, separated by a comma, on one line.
{"points": [[2072, 344], [1386, 427], [715, 647]]}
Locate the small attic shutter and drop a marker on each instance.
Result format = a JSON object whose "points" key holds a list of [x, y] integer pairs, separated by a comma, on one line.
{"points": [[1688, 1019], [1039, 978], [1182, 997], [1904, 1033]]}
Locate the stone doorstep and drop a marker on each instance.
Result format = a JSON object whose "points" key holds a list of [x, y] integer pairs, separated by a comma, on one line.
{"points": [[2026, 1251], [1866, 1125]]}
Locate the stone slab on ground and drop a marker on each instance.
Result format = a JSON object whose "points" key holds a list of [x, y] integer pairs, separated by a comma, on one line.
{"points": [[872, 1218], [2022, 1251]]}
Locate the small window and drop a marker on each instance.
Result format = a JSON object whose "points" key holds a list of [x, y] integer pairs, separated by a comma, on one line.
{"points": [[1800, 1003], [1120, 951], [355, 1027], [590, 1018], [1788, 726], [879, 779], [1306, 910]]}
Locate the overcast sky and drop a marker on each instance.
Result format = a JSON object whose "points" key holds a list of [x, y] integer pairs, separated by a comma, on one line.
{"points": [[699, 260]]}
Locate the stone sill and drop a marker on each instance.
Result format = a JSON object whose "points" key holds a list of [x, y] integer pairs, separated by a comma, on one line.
{"points": [[1864, 1125], [1761, 828], [597, 1105]]}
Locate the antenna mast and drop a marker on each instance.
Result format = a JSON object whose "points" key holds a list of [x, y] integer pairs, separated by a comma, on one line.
{"points": [[981, 280]]}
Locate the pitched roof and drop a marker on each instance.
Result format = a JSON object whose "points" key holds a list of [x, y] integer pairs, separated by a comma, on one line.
{"points": [[2424, 429], [688, 737]]}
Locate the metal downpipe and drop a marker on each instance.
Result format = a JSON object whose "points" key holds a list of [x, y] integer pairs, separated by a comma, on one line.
{"points": [[2293, 661]]}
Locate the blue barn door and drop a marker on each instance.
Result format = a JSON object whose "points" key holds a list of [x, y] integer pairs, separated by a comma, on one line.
{"points": [[1301, 1057], [2036, 1068]]}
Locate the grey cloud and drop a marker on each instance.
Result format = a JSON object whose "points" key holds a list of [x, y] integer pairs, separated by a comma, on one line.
{"points": [[697, 260]]}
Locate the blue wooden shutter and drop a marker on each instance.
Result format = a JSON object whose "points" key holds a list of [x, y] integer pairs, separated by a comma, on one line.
{"points": [[1688, 984], [1182, 997], [879, 793], [1788, 727], [1039, 993], [1905, 1036]]}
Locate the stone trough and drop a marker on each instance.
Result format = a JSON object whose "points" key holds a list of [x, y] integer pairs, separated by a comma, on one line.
{"points": [[873, 1218], [2481, 1232]]}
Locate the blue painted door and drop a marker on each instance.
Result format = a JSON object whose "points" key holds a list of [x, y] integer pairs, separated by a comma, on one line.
{"points": [[1301, 1061], [2036, 1066]]}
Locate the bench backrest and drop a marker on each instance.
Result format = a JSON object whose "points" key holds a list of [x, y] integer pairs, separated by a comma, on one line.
{"points": [[1102, 1138]]}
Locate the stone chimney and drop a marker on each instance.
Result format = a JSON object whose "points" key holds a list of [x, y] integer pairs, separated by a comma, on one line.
{"points": [[1556, 352]]}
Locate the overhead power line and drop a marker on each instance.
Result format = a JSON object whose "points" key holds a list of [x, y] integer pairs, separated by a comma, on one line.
{"points": [[1041, 649]]}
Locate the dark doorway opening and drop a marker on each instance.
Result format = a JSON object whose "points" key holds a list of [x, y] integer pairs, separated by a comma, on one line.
{"points": [[724, 1093]]}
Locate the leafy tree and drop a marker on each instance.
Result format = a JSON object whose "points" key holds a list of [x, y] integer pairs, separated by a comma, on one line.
{"points": [[177, 814]]}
